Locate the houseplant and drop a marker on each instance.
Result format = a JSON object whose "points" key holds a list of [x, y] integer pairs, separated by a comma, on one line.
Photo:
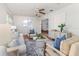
{"points": [[61, 26], [38, 36]]}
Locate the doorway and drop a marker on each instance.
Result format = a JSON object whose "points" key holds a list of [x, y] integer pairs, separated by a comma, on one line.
{"points": [[44, 26]]}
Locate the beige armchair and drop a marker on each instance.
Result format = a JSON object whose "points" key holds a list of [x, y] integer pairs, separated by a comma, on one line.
{"points": [[18, 46], [5, 40]]}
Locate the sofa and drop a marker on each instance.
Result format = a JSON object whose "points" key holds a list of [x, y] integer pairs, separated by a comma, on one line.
{"points": [[68, 47], [74, 51]]}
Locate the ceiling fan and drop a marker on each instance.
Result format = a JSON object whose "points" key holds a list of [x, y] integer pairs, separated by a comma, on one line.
{"points": [[40, 12]]}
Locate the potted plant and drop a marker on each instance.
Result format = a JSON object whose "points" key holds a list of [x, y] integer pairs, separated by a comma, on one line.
{"points": [[38, 36], [61, 26]]}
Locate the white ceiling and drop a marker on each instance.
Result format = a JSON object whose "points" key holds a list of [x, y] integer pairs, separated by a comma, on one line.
{"points": [[28, 9]]}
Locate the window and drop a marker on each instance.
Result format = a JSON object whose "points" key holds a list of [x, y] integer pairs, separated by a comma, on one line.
{"points": [[28, 24], [8, 19]]}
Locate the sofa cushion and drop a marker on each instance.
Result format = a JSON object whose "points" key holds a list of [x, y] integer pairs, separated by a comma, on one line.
{"points": [[13, 43], [66, 44], [21, 49], [16, 42], [58, 41], [68, 35]]}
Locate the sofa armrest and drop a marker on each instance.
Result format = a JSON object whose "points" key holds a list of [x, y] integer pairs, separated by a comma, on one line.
{"points": [[74, 51], [52, 51], [12, 49], [66, 44], [17, 50]]}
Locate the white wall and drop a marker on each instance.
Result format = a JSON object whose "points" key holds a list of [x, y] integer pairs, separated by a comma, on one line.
{"points": [[4, 14], [5, 33], [68, 15], [18, 20]]}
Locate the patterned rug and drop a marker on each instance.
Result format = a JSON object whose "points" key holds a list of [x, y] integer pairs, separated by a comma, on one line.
{"points": [[35, 48]]}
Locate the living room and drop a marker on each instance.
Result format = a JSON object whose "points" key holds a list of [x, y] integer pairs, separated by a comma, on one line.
{"points": [[39, 27]]}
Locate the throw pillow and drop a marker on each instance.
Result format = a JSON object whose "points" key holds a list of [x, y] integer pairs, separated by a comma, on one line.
{"points": [[58, 40]]}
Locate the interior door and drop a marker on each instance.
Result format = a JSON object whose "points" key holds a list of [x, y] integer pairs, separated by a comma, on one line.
{"points": [[44, 26]]}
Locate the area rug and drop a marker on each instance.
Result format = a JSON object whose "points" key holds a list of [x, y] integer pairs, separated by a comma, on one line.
{"points": [[35, 48]]}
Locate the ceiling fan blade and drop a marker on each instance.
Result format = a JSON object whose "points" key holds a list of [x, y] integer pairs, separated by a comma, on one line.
{"points": [[41, 9], [42, 13]]}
